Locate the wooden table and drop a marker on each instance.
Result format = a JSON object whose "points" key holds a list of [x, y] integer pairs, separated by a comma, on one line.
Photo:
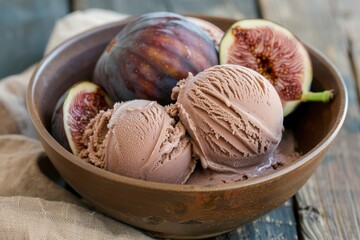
{"points": [[328, 206]]}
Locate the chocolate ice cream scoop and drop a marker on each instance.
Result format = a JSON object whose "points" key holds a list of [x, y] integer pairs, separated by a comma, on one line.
{"points": [[233, 115], [139, 139], [283, 155]]}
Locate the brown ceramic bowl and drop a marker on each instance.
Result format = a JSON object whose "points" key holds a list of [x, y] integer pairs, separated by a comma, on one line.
{"points": [[180, 211]]}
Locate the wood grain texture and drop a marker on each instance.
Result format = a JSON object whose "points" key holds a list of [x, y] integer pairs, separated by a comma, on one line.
{"points": [[278, 224], [232, 8], [329, 204], [347, 13], [228, 8], [131, 7], [25, 27]]}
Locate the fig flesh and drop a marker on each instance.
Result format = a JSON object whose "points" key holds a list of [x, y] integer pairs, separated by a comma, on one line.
{"points": [[151, 54], [277, 54], [74, 111]]}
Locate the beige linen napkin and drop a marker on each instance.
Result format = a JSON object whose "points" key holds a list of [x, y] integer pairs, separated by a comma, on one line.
{"points": [[33, 202]]}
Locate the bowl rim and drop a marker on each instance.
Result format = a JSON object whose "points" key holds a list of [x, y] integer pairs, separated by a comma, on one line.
{"points": [[46, 136]]}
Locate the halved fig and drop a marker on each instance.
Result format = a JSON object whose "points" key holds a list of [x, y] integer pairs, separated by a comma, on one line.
{"points": [[74, 111], [277, 54]]}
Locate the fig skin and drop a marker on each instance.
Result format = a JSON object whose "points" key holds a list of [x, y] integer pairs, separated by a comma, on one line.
{"points": [[277, 54], [151, 54], [73, 112]]}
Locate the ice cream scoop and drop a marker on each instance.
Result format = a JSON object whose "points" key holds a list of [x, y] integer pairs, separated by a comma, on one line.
{"points": [[139, 139], [283, 155], [233, 115]]}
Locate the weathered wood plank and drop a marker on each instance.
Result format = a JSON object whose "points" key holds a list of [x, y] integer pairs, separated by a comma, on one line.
{"points": [[278, 224], [25, 27], [347, 13], [233, 8], [329, 204], [131, 7]]}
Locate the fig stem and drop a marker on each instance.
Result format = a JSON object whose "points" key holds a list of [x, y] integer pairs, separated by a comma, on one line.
{"points": [[324, 96]]}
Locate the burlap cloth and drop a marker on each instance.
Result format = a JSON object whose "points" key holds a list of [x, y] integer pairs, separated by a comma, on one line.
{"points": [[33, 202]]}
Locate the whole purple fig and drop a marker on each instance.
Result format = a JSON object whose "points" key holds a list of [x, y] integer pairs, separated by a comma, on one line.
{"points": [[151, 54]]}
